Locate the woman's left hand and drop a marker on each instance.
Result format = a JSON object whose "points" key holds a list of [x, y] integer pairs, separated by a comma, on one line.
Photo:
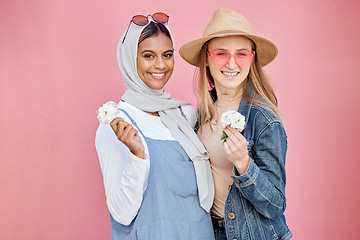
{"points": [[236, 149]]}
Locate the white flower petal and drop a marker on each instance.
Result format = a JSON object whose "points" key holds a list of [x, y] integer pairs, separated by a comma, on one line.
{"points": [[234, 119], [108, 112]]}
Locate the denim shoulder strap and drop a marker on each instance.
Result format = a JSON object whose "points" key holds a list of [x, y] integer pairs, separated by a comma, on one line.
{"points": [[182, 112], [132, 121]]}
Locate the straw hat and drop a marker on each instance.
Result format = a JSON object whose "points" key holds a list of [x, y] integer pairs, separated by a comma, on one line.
{"points": [[223, 23]]}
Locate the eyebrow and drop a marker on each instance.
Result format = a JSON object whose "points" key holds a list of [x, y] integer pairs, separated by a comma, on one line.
{"points": [[150, 51], [228, 49]]}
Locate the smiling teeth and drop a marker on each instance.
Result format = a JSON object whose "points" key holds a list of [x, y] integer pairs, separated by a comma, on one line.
{"points": [[230, 74], [158, 75]]}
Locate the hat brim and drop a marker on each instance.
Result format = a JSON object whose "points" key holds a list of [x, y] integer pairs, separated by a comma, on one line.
{"points": [[265, 49]]}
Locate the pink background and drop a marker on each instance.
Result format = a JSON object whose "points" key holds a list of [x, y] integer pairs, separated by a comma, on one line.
{"points": [[58, 65]]}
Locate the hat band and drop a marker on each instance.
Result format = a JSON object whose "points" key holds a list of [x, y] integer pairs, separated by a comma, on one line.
{"points": [[227, 31]]}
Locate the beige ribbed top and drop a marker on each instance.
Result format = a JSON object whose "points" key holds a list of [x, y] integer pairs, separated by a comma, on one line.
{"points": [[221, 167]]}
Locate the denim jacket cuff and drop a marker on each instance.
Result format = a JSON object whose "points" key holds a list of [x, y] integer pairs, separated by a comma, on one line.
{"points": [[248, 177]]}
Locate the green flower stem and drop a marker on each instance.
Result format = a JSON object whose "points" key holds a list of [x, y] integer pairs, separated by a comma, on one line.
{"points": [[224, 136]]}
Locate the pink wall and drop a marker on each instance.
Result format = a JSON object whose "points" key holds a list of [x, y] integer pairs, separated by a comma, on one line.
{"points": [[58, 65]]}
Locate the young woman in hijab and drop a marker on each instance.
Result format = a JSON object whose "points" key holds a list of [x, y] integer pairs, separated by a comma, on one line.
{"points": [[249, 167], [157, 176]]}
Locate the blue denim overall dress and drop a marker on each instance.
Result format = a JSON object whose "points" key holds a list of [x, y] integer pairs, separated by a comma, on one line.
{"points": [[170, 207]]}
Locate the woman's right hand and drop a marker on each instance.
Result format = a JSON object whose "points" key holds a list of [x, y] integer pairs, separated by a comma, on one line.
{"points": [[129, 136]]}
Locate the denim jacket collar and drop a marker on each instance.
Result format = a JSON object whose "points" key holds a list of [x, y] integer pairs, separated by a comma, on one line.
{"points": [[244, 109]]}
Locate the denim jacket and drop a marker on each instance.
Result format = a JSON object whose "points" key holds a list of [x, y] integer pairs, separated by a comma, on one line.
{"points": [[255, 205]]}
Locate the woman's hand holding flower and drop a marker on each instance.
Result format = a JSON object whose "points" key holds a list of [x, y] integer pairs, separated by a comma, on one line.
{"points": [[233, 119], [235, 145], [236, 149], [108, 114], [126, 133]]}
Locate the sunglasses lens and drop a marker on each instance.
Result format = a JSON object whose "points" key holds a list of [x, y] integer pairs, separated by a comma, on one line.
{"points": [[219, 57], [140, 20], [160, 17], [243, 58]]}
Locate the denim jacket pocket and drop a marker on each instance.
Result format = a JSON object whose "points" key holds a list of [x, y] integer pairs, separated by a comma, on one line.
{"points": [[267, 228]]}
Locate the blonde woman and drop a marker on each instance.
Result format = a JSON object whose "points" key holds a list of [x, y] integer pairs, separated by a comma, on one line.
{"points": [[249, 167]]}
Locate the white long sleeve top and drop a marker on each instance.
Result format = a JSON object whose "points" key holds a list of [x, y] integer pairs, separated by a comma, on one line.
{"points": [[125, 176]]}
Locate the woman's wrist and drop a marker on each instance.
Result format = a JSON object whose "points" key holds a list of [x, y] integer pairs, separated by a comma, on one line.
{"points": [[139, 154], [242, 165]]}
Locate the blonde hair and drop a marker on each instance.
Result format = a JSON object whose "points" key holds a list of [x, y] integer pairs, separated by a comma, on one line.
{"points": [[203, 82]]}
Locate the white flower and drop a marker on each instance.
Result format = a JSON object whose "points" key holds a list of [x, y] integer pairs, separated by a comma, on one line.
{"points": [[234, 119], [108, 112]]}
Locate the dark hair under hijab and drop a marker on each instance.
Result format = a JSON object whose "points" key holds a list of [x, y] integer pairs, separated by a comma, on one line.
{"points": [[153, 29]]}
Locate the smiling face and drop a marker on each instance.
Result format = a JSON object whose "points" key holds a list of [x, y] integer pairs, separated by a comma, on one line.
{"points": [[155, 60], [227, 78]]}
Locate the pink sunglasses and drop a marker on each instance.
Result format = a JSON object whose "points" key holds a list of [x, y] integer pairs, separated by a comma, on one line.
{"points": [[243, 57], [142, 20]]}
